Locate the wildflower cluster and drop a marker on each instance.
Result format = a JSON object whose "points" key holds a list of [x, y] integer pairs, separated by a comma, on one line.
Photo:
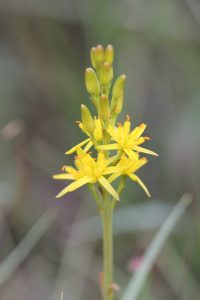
{"points": [[115, 148]]}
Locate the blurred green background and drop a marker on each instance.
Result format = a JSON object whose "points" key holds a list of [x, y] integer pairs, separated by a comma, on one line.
{"points": [[44, 50]]}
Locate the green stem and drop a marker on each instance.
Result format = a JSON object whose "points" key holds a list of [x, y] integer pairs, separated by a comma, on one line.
{"points": [[106, 217], [95, 195], [119, 189]]}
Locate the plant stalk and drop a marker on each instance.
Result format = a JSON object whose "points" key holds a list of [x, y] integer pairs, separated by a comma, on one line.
{"points": [[106, 217]]}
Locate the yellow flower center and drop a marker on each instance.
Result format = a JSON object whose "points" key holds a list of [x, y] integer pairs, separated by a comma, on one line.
{"points": [[87, 166]]}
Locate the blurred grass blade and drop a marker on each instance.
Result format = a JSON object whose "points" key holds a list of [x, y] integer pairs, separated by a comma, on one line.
{"points": [[17, 256], [62, 296], [130, 219], [178, 273], [137, 281]]}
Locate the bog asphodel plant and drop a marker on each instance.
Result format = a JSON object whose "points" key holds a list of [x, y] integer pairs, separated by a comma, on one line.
{"points": [[111, 152]]}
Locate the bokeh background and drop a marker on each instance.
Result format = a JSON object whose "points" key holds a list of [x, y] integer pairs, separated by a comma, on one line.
{"points": [[44, 49]]}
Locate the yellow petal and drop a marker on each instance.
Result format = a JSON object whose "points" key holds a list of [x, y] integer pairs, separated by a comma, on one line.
{"points": [[88, 146], [109, 147], [113, 169], [73, 149], [138, 164], [141, 140], [108, 187], [80, 153], [83, 160], [112, 130], [140, 182], [64, 176], [101, 157], [131, 154], [82, 128], [126, 127], [69, 170], [138, 131], [98, 130], [73, 186], [144, 150]]}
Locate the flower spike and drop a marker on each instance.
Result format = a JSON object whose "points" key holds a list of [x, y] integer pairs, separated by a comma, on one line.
{"points": [[103, 135]]}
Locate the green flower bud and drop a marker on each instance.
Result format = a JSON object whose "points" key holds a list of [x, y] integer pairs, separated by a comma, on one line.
{"points": [[100, 57], [93, 57], [104, 108], [118, 95], [118, 88], [116, 106], [87, 120], [92, 82], [105, 73], [109, 54]]}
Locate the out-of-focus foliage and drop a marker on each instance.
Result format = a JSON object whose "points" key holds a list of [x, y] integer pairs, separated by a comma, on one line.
{"points": [[44, 48]]}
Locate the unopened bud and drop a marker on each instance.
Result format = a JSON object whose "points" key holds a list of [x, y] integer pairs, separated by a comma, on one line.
{"points": [[100, 57], [104, 108], [105, 73], [118, 88], [118, 95], [92, 82], [116, 106], [109, 54], [87, 120], [93, 57]]}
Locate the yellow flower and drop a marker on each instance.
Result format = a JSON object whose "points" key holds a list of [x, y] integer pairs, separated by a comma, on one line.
{"points": [[88, 170], [94, 138], [127, 166], [126, 140]]}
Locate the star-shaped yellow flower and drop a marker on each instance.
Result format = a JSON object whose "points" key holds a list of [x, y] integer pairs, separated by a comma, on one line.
{"points": [[88, 170], [127, 141], [94, 138], [128, 167]]}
